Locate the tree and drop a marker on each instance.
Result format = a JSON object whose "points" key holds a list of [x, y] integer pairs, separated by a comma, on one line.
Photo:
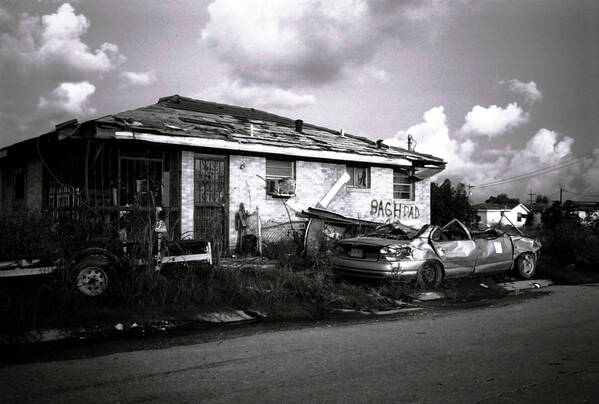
{"points": [[448, 203], [542, 200], [503, 199], [558, 214]]}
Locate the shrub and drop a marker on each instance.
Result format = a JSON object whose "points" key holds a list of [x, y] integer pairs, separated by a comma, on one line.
{"points": [[570, 242]]}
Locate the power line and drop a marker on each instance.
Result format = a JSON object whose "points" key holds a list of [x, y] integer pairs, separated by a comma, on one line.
{"points": [[539, 171], [577, 194]]}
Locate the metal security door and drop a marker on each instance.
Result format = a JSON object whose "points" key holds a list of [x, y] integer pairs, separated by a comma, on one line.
{"points": [[211, 200]]}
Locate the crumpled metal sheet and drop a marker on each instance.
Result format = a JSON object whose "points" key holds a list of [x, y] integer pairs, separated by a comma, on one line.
{"points": [[524, 244]]}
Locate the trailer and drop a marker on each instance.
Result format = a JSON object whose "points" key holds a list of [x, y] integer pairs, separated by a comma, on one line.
{"points": [[91, 264]]}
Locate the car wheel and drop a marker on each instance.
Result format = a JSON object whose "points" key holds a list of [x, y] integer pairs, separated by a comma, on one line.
{"points": [[526, 264], [430, 275], [91, 275]]}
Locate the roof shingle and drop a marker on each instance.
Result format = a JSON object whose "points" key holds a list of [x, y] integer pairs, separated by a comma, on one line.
{"points": [[181, 116]]}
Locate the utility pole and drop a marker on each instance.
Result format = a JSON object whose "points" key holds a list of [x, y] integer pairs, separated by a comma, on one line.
{"points": [[531, 195], [560, 195]]}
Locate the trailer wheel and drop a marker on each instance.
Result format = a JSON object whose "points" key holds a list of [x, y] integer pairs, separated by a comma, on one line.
{"points": [[91, 274]]}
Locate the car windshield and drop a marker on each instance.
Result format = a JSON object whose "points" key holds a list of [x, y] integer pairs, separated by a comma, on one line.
{"points": [[396, 231]]}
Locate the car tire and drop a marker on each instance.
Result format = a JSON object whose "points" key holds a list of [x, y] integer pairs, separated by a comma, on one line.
{"points": [[526, 265], [91, 275], [429, 275]]}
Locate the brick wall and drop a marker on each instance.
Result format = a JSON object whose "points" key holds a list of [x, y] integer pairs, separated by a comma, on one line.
{"points": [[313, 181], [187, 189]]}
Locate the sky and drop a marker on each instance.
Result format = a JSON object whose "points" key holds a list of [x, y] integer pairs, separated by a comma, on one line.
{"points": [[507, 92]]}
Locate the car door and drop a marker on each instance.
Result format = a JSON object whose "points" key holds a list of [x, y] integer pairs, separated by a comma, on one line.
{"points": [[456, 249], [494, 252]]}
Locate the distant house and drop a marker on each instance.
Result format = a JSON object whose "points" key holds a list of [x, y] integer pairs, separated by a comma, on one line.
{"points": [[490, 213], [586, 211]]}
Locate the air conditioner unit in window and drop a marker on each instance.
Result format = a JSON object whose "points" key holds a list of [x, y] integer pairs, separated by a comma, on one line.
{"points": [[280, 187]]}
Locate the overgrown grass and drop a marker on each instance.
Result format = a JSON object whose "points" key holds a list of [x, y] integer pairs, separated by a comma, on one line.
{"points": [[300, 286], [182, 292], [571, 243]]}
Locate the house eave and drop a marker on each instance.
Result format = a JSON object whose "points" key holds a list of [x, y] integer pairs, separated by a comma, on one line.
{"points": [[192, 141]]}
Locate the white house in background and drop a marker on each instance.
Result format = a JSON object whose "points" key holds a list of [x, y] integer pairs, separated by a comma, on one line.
{"points": [[587, 211], [491, 213]]}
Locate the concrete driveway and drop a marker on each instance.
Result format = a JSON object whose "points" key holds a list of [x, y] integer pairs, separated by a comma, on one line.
{"points": [[543, 349]]}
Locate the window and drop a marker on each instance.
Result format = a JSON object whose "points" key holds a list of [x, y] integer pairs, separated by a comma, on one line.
{"points": [[277, 169], [359, 177], [141, 181], [451, 232], [280, 176], [403, 185]]}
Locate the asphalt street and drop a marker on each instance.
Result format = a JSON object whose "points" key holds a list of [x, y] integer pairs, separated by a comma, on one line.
{"points": [[543, 349]]}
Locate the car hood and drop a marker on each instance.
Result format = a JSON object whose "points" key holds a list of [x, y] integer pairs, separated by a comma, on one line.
{"points": [[374, 241]]}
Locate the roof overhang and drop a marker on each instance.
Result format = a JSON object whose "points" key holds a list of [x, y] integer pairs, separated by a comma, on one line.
{"points": [[220, 144]]}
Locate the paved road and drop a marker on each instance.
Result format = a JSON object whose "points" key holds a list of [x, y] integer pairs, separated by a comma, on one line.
{"points": [[544, 349]]}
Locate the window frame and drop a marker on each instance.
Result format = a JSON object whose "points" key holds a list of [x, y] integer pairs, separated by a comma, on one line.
{"points": [[278, 177], [350, 169], [406, 173]]}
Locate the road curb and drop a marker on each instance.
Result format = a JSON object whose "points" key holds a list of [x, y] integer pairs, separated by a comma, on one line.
{"points": [[525, 285], [129, 328], [223, 317]]}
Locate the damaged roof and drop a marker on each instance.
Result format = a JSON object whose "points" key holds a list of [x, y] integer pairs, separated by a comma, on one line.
{"points": [[188, 121]]}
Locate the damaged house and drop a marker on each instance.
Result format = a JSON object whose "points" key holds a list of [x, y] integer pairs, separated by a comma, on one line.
{"points": [[203, 163]]}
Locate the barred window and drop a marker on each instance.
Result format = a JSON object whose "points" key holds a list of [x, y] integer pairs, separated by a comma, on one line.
{"points": [[403, 184], [359, 177]]}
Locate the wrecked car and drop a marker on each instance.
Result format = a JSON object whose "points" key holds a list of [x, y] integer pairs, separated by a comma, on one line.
{"points": [[434, 253]]}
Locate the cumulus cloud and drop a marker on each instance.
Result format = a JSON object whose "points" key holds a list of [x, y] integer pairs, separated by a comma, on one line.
{"points": [[53, 43], [47, 68], [432, 136], [590, 170], [424, 10], [373, 73], [139, 78], [304, 42], [469, 162], [4, 16], [70, 97], [546, 148], [493, 120], [263, 96], [529, 90]]}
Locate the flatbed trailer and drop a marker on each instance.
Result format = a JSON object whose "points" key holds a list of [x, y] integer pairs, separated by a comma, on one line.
{"points": [[91, 262]]}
